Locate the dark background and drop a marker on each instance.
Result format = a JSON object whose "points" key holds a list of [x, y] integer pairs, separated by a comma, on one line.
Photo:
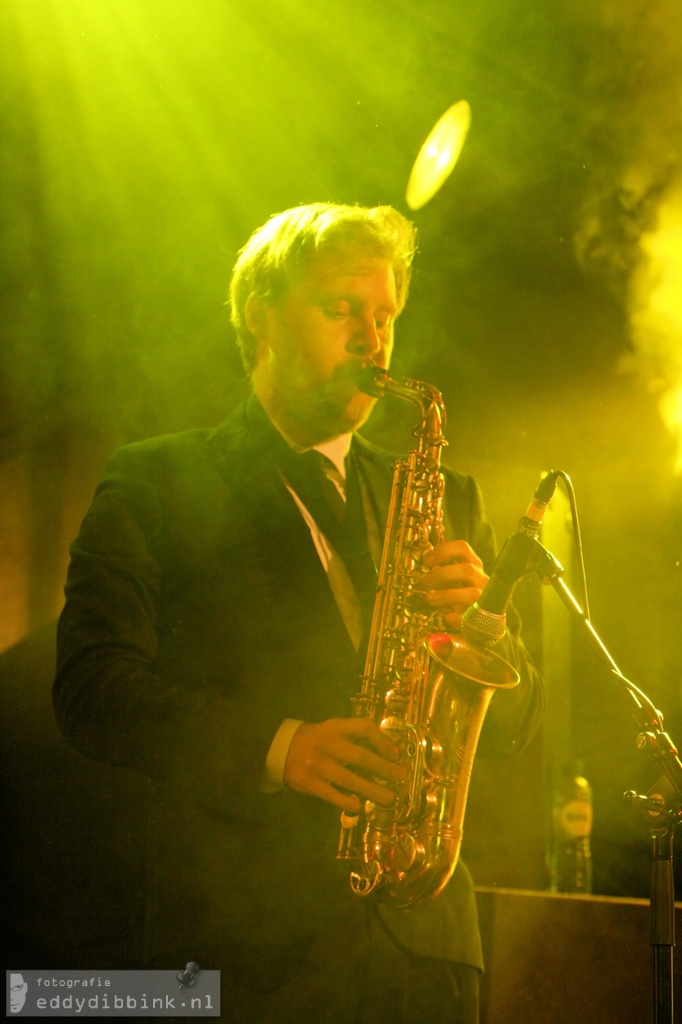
{"points": [[141, 142]]}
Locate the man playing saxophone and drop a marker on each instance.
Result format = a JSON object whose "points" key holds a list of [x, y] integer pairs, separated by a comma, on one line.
{"points": [[218, 604]]}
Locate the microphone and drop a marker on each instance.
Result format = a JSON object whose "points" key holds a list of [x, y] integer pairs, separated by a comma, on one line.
{"points": [[531, 520], [484, 624]]}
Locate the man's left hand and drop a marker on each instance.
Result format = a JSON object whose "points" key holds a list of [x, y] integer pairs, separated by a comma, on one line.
{"points": [[454, 581]]}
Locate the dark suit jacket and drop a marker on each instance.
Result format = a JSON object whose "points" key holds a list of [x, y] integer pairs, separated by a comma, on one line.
{"points": [[198, 617]]}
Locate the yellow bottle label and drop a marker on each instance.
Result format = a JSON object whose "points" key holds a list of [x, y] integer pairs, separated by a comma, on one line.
{"points": [[574, 818]]}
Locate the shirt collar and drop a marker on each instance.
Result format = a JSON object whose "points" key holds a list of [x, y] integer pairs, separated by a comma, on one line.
{"points": [[335, 450]]}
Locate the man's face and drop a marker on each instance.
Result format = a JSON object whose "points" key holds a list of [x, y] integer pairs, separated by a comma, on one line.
{"points": [[337, 316], [18, 989]]}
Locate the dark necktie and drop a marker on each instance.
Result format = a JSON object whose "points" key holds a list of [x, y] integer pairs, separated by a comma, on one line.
{"points": [[343, 523], [326, 471]]}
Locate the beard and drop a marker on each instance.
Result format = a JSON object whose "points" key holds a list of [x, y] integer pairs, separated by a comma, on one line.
{"points": [[318, 407]]}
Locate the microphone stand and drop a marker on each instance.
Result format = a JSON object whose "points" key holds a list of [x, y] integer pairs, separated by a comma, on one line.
{"points": [[661, 806]]}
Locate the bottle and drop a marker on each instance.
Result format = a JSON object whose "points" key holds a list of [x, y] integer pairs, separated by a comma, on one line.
{"points": [[571, 855]]}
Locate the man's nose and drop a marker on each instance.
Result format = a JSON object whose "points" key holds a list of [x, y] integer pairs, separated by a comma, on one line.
{"points": [[367, 337]]}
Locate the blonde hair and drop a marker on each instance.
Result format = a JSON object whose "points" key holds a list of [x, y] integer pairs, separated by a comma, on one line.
{"points": [[276, 253]]}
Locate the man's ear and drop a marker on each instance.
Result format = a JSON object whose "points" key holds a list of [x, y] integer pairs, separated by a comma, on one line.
{"points": [[254, 314]]}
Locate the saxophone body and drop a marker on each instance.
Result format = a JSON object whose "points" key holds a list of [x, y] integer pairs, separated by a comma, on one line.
{"points": [[427, 689]]}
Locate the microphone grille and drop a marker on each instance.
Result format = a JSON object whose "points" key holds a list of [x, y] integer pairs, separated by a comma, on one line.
{"points": [[482, 628]]}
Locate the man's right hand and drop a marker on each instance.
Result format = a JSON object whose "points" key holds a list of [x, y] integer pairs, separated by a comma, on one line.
{"points": [[323, 759]]}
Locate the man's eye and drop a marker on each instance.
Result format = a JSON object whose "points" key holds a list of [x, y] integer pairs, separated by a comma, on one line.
{"points": [[337, 312]]}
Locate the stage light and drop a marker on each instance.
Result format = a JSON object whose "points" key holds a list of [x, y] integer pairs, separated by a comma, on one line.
{"points": [[438, 155]]}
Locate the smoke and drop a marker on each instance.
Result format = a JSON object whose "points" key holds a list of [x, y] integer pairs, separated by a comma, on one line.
{"points": [[656, 314], [630, 224]]}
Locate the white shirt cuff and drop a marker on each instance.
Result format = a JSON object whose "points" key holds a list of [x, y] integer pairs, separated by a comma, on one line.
{"points": [[273, 776]]}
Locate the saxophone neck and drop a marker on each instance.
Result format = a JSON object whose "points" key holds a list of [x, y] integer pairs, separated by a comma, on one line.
{"points": [[375, 381]]}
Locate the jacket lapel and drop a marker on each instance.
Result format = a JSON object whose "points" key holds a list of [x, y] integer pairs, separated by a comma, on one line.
{"points": [[249, 452], [375, 466]]}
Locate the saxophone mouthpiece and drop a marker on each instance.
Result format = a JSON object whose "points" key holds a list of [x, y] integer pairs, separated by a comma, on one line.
{"points": [[372, 379]]}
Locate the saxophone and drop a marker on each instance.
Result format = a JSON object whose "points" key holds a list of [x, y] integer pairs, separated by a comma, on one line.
{"points": [[427, 689]]}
